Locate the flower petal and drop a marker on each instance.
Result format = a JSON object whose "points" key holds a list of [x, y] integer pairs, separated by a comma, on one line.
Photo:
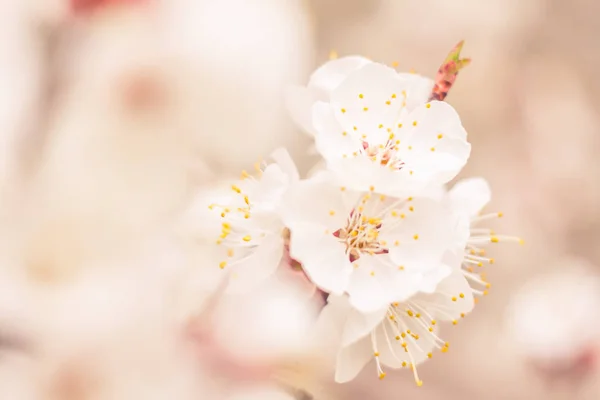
{"points": [[331, 140], [333, 316], [469, 196], [261, 393], [372, 284], [369, 99], [283, 159], [265, 193], [433, 142], [327, 77], [319, 167], [418, 90], [352, 359], [246, 273], [318, 201], [202, 222], [350, 324], [358, 324], [322, 256], [299, 102], [453, 298], [463, 233], [432, 276], [457, 283], [361, 173], [418, 232]]}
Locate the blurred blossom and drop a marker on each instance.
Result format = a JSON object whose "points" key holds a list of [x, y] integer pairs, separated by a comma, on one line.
{"points": [[262, 328], [260, 338], [264, 393], [97, 285], [106, 333], [113, 167], [22, 77], [550, 319], [236, 69], [242, 220], [87, 6], [391, 336]]}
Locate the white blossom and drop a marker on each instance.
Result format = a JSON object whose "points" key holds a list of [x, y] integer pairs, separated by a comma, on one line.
{"points": [[376, 248], [124, 249], [264, 393], [300, 100], [548, 319], [328, 77], [369, 135], [243, 223], [401, 334]]}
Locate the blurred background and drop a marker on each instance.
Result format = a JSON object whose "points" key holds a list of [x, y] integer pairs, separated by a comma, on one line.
{"points": [[214, 71]]}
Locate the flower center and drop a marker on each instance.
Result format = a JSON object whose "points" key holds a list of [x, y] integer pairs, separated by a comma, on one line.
{"points": [[360, 235], [385, 154]]}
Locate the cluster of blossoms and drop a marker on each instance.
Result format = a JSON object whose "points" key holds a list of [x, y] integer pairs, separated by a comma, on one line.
{"points": [[374, 230]]}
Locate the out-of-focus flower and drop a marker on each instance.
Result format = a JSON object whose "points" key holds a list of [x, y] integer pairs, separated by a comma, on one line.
{"points": [[378, 249], [264, 393], [243, 223], [402, 334], [108, 332], [114, 169], [275, 320], [549, 320], [235, 58], [87, 6], [24, 75], [274, 330], [374, 132]]}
